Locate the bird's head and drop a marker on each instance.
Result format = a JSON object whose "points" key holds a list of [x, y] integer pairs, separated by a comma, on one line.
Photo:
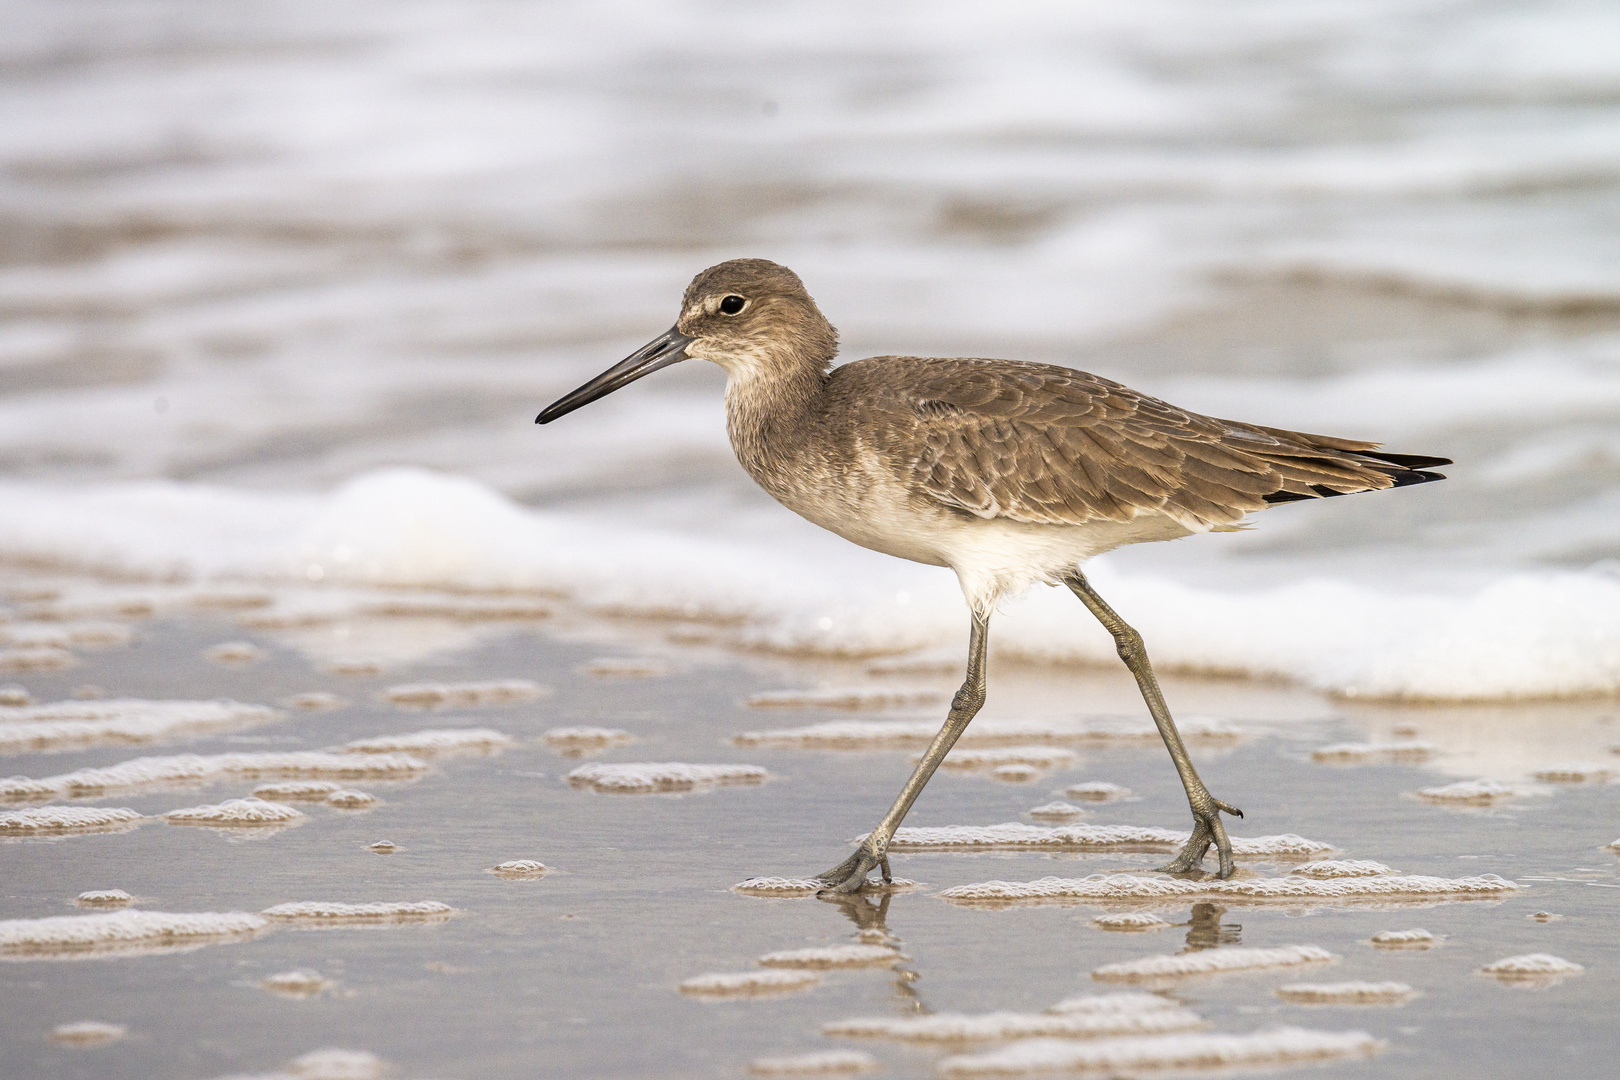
{"points": [[752, 317]]}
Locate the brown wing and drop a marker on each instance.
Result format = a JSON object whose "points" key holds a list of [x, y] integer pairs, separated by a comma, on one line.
{"points": [[1050, 445]]}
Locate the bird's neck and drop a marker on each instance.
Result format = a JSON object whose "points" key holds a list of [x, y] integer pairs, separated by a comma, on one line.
{"points": [[771, 408]]}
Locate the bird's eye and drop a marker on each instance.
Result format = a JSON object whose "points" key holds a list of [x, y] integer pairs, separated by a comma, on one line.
{"points": [[732, 304]]}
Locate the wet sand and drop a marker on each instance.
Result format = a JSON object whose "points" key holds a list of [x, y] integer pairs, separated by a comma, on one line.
{"points": [[576, 972]]}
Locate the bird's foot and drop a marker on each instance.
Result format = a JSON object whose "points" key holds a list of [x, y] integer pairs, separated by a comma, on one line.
{"points": [[849, 876], [1207, 829]]}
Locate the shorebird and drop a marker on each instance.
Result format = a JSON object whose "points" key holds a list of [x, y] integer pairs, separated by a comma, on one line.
{"points": [[1010, 473]]}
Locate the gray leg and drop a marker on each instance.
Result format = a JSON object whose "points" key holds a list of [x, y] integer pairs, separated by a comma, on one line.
{"points": [[849, 875], [1206, 808]]}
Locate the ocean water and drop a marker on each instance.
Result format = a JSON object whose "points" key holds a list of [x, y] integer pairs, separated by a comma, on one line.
{"points": [[283, 285]]}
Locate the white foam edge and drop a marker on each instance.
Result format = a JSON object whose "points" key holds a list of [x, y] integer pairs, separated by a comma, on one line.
{"points": [[59, 820], [1531, 966], [1577, 772], [1035, 757], [748, 983], [520, 868], [113, 931], [1185, 1051], [1288, 888], [296, 790], [87, 1032], [789, 888], [70, 724], [815, 1063], [1327, 869], [1353, 992], [817, 957], [105, 898], [196, 768], [586, 738], [1118, 1001], [665, 776], [1130, 921], [489, 692], [1470, 791], [1211, 962], [1354, 753], [1416, 938], [990, 732], [301, 983], [1003, 1026], [247, 812], [1016, 835], [349, 799], [334, 913], [430, 742]]}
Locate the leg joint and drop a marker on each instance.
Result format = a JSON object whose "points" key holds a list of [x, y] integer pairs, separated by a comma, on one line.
{"points": [[1129, 644], [969, 699]]}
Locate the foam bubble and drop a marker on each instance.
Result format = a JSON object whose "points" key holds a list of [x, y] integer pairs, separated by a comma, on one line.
{"points": [[235, 813], [1055, 811], [431, 742], [1342, 868], [1096, 791], [104, 898], [1211, 962], [333, 913], [1034, 757], [14, 697], [351, 800], [195, 768], [1534, 969], [1001, 1026], [1613, 845], [315, 700], [990, 731], [579, 741], [626, 667], [831, 956], [1469, 792], [635, 778], [69, 724], [819, 1063], [429, 695], [1130, 1001], [1577, 772], [1361, 753], [1118, 887], [302, 983], [327, 1065], [121, 931], [795, 887], [67, 819], [87, 1032], [1186, 1051], [749, 983], [1016, 835], [234, 652], [1130, 921], [42, 658], [383, 847], [847, 697], [520, 869], [1403, 939], [296, 791], [1346, 993]]}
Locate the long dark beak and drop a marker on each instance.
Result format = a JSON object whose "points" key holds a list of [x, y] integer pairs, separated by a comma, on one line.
{"points": [[662, 351]]}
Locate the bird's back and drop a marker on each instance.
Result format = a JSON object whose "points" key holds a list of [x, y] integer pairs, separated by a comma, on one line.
{"points": [[1048, 445]]}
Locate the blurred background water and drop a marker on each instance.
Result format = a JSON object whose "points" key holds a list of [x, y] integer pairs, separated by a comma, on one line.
{"points": [[260, 250]]}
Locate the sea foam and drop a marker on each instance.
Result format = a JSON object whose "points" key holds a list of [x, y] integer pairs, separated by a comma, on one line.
{"points": [[1293, 888], [66, 725], [1346, 993], [641, 778], [1525, 634], [831, 956], [429, 695], [235, 813], [1016, 835], [749, 983], [1183, 1051], [431, 742], [1002, 1026], [120, 932], [333, 913], [1211, 962], [196, 769], [67, 819], [815, 1063]]}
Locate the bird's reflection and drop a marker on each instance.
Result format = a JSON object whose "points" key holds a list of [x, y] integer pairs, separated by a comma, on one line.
{"points": [[1206, 931], [871, 918]]}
